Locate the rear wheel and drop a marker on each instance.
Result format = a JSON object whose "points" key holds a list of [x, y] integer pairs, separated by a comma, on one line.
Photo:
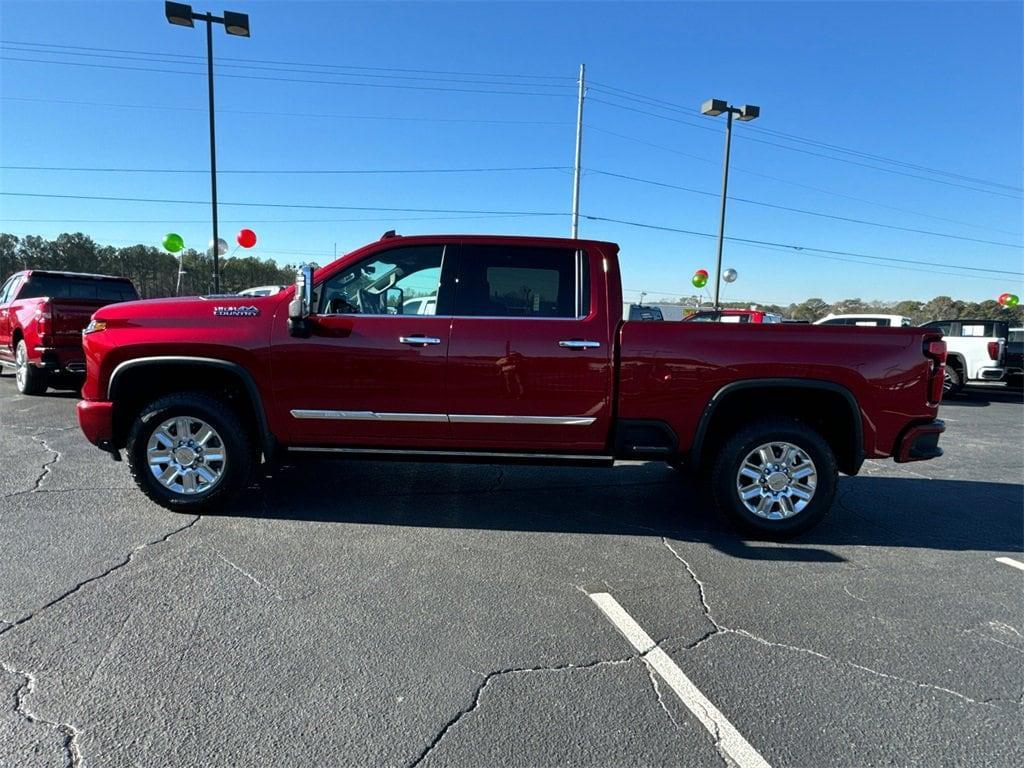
{"points": [[29, 379], [953, 383], [190, 451], [776, 477]]}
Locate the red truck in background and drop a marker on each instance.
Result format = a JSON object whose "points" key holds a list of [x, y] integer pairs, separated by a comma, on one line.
{"points": [[42, 315], [525, 358], [732, 316]]}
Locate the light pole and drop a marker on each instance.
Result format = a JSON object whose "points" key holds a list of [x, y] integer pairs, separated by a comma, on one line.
{"points": [[237, 24], [746, 113]]}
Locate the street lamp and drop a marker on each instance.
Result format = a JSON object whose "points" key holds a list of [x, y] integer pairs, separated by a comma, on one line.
{"points": [[237, 24], [746, 113]]}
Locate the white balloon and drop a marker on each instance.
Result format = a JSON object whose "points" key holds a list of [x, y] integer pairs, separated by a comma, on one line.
{"points": [[222, 246], [730, 275]]}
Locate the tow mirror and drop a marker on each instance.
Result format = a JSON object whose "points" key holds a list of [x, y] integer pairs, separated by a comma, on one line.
{"points": [[300, 306]]}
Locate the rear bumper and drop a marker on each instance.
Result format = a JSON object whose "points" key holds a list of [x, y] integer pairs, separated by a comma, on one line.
{"points": [[96, 418], [920, 442], [991, 374], [63, 359]]}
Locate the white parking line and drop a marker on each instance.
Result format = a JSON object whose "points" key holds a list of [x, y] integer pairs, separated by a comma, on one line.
{"points": [[727, 737], [1010, 562]]}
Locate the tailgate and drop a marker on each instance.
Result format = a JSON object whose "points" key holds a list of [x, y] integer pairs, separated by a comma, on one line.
{"points": [[69, 316]]}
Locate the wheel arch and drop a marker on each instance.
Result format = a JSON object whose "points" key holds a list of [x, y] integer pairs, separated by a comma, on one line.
{"points": [[172, 370], [842, 428]]}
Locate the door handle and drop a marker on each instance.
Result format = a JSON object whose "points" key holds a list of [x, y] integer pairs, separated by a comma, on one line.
{"points": [[579, 344], [419, 341]]}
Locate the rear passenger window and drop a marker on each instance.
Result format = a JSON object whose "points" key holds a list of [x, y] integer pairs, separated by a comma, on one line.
{"points": [[503, 281]]}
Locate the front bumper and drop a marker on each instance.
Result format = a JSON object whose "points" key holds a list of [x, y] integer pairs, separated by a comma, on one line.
{"points": [[96, 418], [920, 442]]}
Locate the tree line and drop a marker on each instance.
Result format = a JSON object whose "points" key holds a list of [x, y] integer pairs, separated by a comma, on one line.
{"points": [[155, 273], [153, 270]]}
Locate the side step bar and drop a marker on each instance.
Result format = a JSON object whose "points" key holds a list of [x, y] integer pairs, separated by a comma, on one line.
{"points": [[474, 457]]}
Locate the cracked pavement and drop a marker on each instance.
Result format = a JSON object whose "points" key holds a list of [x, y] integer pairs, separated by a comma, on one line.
{"points": [[437, 615]]}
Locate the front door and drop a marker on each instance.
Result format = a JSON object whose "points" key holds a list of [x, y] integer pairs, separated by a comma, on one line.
{"points": [[370, 374], [530, 357]]}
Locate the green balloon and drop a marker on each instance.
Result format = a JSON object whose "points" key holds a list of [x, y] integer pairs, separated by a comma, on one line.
{"points": [[173, 242], [699, 280], [1012, 300]]}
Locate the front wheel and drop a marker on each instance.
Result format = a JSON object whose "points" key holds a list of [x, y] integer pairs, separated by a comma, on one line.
{"points": [[29, 379], [190, 451], [776, 477]]}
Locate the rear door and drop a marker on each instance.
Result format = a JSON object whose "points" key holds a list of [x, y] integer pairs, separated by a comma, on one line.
{"points": [[7, 293], [530, 356]]}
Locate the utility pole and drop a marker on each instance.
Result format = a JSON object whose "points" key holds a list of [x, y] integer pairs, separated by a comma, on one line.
{"points": [[579, 155]]}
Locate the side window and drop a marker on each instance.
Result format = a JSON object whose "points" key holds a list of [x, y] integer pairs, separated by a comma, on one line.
{"points": [[509, 281], [402, 281], [8, 288]]}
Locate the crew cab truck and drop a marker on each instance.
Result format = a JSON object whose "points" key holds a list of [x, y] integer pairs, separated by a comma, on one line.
{"points": [[526, 359], [42, 315]]}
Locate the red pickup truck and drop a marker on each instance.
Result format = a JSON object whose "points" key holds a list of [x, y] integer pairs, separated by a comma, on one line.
{"points": [[42, 315], [524, 357]]}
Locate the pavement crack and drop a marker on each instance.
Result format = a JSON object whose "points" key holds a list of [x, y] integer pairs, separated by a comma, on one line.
{"points": [[70, 734], [720, 629], [247, 575], [491, 676], [118, 566]]}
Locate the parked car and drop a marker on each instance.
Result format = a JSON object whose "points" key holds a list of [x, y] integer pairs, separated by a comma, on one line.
{"points": [[528, 359], [421, 305], [976, 351], [1015, 357], [866, 320], [732, 316], [263, 290], [42, 315], [641, 312]]}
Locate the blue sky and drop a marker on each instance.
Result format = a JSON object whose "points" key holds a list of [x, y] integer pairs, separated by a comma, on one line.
{"points": [[936, 85]]}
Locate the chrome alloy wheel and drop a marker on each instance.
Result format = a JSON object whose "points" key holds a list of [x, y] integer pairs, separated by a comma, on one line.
{"points": [[21, 366], [186, 455], [776, 480]]}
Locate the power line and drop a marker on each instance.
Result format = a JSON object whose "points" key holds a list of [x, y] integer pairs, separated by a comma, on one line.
{"points": [[266, 221], [807, 212], [305, 64], [329, 115], [286, 79], [221, 65], [802, 248], [800, 185], [812, 153], [284, 171], [672, 106], [275, 205]]}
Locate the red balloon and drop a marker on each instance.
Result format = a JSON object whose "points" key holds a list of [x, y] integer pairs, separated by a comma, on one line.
{"points": [[701, 272], [246, 238], [1004, 297]]}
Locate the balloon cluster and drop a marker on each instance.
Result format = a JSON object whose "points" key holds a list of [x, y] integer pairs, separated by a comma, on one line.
{"points": [[1009, 299], [246, 238], [700, 278]]}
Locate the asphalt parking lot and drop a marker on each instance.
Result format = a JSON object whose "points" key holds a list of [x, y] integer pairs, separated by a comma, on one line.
{"points": [[422, 614]]}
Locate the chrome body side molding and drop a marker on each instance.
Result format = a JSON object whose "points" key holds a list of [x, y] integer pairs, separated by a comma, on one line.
{"points": [[452, 418]]}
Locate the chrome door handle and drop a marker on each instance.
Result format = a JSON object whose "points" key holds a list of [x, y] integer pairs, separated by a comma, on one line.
{"points": [[419, 341], [579, 344]]}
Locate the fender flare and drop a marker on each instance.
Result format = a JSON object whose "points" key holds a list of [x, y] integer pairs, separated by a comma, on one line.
{"points": [[267, 439], [781, 383]]}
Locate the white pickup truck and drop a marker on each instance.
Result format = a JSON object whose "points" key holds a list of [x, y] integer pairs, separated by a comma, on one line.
{"points": [[976, 351]]}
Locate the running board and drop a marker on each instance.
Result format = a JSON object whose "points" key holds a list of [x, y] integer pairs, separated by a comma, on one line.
{"points": [[474, 457]]}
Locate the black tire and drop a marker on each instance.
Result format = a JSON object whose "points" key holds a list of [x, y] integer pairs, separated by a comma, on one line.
{"points": [[238, 445], [29, 379], [729, 461], [953, 383]]}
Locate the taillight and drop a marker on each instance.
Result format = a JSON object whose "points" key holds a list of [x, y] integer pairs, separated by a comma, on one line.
{"points": [[935, 350], [993, 350], [43, 318]]}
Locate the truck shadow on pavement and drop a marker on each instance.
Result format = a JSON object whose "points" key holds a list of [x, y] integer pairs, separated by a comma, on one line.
{"points": [[635, 500], [982, 397]]}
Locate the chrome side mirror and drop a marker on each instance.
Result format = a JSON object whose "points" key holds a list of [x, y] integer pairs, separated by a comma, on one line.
{"points": [[300, 307]]}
